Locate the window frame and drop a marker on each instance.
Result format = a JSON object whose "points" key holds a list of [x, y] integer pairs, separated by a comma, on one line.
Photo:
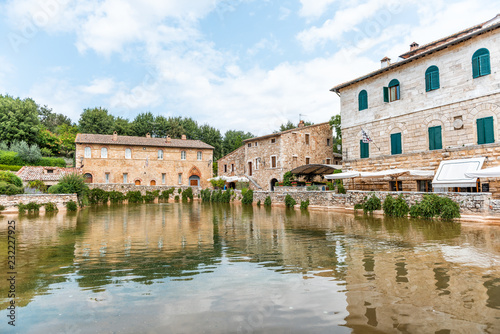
{"points": [[275, 165], [364, 150], [179, 178], [394, 148], [362, 100], [393, 91], [89, 151], [307, 138], [433, 134], [481, 63], [106, 177], [308, 160], [104, 152], [199, 155], [129, 151], [432, 78], [160, 154], [183, 155], [125, 178], [482, 125]]}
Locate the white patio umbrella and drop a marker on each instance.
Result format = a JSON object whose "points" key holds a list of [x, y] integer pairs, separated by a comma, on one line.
{"points": [[487, 172], [343, 175]]}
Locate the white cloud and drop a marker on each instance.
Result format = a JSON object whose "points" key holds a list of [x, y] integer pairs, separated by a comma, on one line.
{"points": [[100, 86], [314, 8], [284, 13]]}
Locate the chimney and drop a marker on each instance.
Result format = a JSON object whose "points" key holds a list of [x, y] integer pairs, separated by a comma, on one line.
{"points": [[148, 135], [169, 139], [115, 136], [183, 137], [301, 124], [384, 62], [413, 46]]}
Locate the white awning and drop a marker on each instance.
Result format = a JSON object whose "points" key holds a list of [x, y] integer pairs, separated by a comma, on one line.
{"points": [[396, 172], [487, 172], [344, 175], [451, 173], [217, 178], [237, 179]]}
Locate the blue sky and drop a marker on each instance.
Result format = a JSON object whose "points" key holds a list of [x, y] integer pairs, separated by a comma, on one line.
{"points": [[239, 64]]}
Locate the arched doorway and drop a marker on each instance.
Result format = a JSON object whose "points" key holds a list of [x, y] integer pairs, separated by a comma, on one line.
{"points": [[87, 177], [194, 180], [273, 183], [137, 182], [152, 183], [232, 185]]}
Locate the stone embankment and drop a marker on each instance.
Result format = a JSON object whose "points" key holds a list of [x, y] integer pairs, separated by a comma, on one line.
{"points": [[10, 202]]}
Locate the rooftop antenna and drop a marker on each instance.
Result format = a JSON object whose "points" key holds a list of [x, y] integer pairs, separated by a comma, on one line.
{"points": [[300, 116]]}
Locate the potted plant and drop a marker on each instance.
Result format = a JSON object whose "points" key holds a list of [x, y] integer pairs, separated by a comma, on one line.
{"points": [[294, 183]]}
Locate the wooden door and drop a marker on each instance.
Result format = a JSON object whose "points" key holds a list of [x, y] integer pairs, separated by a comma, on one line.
{"points": [[250, 168], [152, 183], [193, 183], [137, 182]]}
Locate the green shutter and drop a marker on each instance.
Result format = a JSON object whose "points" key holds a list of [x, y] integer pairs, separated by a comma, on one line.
{"points": [[489, 136], [386, 94], [428, 82], [484, 65], [475, 67], [435, 80], [435, 141], [363, 100], [396, 143], [364, 149], [480, 131]]}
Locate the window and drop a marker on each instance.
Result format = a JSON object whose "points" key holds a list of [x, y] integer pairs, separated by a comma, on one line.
{"points": [[307, 139], [396, 143], [256, 143], [481, 63], [128, 153], [435, 142], [273, 140], [249, 144], [273, 162], [160, 154], [163, 178], [396, 185], [225, 168], [431, 78], [364, 150], [328, 161], [106, 177], [50, 171], [392, 93], [104, 152], [257, 163], [485, 134], [232, 167], [125, 178], [327, 141], [199, 156], [424, 186], [362, 100], [308, 161], [87, 153], [183, 155], [180, 178]]}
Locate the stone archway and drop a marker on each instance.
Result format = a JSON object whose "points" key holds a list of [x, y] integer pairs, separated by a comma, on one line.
{"points": [[194, 181], [137, 182], [273, 184], [152, 183], [88, 177]]}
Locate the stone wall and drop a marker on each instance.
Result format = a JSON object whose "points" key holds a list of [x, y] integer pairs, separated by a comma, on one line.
{"points": [[124, 188], [468, 202], [144, 166], [10, 202]]}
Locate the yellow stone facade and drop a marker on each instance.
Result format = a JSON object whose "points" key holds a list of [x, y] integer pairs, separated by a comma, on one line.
{"points": [[144, 165]]}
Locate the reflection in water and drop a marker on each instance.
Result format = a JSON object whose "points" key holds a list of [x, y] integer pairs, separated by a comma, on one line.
{"points": [[183, 268]]}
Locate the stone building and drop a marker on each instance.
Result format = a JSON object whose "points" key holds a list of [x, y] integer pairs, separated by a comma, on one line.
{"points": [[439, 101], [49, 175], [265, 159], [143, 160]]}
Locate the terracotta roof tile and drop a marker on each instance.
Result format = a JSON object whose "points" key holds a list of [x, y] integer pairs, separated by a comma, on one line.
{"points": [[30, 173], [87, 138]]}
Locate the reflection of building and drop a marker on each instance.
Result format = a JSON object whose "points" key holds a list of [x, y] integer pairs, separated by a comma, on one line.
{"points": [[143, 160], [440, 101], [265, 159], [49, 175]]}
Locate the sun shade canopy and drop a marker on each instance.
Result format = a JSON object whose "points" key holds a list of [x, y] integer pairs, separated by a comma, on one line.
{"points": [[451, 173], [487, 172], [389, 172], [315, 169]]}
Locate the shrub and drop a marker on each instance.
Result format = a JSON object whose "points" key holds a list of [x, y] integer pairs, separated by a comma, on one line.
{"points": [[71, 206], [149, 197], [38, 184], [304, 204], [30, 207], [46, 152], [241, 185], [435, 206], [116, 196], [50, 207], [258, 202], [218, 184], [165, 194], [267, 201], [9, 189], [10, 168], [248, 197], [179, 191], [330, 185], [188, 194], [21, 207], [449, 209], [288, 177], [226, 196], [97, 196], [72, 184], [205, 195], [388, 205], [4, 146], [358, 206], [30, 154], [11, 158], [289, 201], [400, 208], [134, 196], [372, 204], [51, 162], [312, 188], [176, 198], [11, 178], [340, 187], [2, 207]]}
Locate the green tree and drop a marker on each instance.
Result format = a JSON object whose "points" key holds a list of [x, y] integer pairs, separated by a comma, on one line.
{"points": [[49, 140], [96, 120], [123, 127], [212, 137], [51, 120], [289, 126], [67, 135], [144, 123], [191, 128], [18, 120], [234, 139], [335, 124], [175, 128]]}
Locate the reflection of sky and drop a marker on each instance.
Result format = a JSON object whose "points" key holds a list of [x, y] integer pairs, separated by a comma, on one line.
{"points": [[235, 295]]}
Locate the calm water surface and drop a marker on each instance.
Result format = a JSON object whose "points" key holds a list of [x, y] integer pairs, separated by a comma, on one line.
{"points": [[196, 268]]}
